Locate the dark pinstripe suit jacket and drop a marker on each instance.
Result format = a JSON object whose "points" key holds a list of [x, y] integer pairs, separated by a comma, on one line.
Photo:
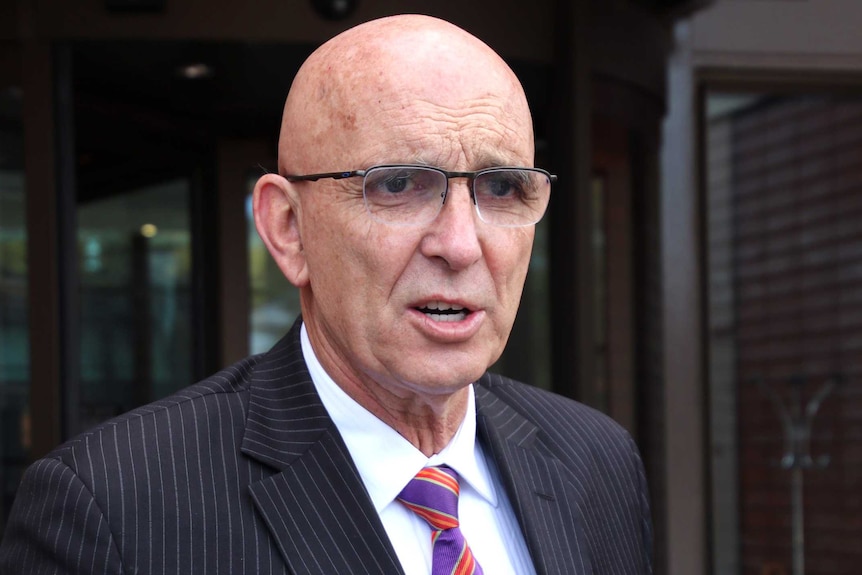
{"points": [[245, 473]]}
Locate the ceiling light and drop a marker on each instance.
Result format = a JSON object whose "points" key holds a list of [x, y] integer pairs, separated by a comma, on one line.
{"points": [[195, 71], [334, 9]]}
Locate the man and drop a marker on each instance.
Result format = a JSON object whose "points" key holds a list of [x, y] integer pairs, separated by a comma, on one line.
{"points": [[410, 247]]}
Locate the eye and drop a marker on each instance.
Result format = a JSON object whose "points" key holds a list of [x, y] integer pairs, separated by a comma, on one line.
{"points": [[396, 184], [392, 181], [503, 184], [500, 186]]}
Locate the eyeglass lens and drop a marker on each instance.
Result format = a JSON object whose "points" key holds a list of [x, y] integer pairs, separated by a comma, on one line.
{"points": [[415, 195]]}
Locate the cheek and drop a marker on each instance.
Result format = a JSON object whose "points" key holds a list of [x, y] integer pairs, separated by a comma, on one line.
{"points": [[331, 256], [354, 259], [509, 262]]}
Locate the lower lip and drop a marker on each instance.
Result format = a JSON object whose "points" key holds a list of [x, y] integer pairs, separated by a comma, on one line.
{"points": [[449, 331]]}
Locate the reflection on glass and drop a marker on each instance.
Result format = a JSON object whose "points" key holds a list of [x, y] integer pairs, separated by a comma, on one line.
{"points": [[14, 334], [274, 300], [722, 339], [599, 244], [784, 263], [136, 314], [527, 356]]}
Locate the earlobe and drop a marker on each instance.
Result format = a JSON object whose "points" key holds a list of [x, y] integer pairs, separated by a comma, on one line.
{"points": [[277, 218]]}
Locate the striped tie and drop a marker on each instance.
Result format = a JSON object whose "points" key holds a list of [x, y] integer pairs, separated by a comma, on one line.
{"points": [[433, 496]]}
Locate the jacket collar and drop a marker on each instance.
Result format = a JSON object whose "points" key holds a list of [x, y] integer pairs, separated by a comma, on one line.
{"points": [[538, 485], [316, 506]]}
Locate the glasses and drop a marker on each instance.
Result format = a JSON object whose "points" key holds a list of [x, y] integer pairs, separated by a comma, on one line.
{"points": [[414, 195]]}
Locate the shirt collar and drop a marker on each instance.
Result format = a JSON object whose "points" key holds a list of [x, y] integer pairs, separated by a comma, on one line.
{"points": [[386, 461]]}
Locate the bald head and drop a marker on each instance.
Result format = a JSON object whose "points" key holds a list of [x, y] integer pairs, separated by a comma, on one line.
{"points": [[406, 90], [381, 74]]}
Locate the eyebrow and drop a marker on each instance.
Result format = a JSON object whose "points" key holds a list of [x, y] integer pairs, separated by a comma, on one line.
{"points": [[494, 160], [481, 161]]}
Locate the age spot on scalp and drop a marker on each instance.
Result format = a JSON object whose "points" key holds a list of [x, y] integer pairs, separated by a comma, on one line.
{"points": [[348, 121]]}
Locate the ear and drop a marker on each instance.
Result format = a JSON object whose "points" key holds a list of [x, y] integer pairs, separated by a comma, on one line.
{"points": [[278, 220]]}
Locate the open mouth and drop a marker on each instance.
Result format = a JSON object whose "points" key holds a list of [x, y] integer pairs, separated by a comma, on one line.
{"points": [[440, 311]]}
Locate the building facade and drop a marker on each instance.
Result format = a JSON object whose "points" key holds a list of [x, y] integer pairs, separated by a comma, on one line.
{"points": [[130, 132]]}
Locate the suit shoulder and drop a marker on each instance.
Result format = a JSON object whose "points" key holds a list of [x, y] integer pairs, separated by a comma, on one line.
{"points": [[188, 405], [555, 414]]}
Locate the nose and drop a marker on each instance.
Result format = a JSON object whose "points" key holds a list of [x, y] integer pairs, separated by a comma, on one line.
{"points": [[454, 235]]}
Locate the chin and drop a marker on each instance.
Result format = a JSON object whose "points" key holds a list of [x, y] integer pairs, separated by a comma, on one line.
{"points": [[449, 380], [443, 368]]}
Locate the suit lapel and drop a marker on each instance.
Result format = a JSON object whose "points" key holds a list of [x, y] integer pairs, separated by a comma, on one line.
{"points": [[316, 506], [537, 485]]}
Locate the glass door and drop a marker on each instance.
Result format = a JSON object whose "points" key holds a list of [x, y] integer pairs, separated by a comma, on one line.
{"points": [[135, 290], [139, 317], [784, 291], [14, 332]]}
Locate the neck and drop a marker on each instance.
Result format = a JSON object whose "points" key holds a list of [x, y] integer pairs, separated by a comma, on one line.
{"points": [[427, 421], [428, 425], [426, 417]]}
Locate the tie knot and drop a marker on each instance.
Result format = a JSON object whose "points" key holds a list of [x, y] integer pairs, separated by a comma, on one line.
{"points": [[433, 495]]}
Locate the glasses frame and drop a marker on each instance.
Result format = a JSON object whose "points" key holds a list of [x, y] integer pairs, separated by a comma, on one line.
{"points": [[471, 177]]}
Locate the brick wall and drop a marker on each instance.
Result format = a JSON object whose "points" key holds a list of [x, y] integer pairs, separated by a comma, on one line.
{"points": [[795, 264]]}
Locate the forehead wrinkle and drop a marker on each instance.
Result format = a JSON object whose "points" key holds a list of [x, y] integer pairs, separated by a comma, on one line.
{"points": [[488, 120], [449, 149], [479, 133]]}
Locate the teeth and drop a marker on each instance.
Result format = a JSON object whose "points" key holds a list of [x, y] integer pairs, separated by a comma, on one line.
{"points": [[444, 317], [449, 311], [442, 306]]}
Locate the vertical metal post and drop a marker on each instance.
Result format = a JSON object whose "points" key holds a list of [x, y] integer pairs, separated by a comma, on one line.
{"points": [[43, 251], [796, 485], [569, 220], [797, 423], [67, 234]]}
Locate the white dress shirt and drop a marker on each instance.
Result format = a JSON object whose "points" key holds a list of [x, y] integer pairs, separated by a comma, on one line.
{"points": [[387, 462]]}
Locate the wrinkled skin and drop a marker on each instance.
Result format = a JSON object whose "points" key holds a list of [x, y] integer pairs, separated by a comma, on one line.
{"points": [[406, 89]]}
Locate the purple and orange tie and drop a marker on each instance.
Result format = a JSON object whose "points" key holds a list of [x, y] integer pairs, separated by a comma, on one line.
{"points": [[433, 496]]}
